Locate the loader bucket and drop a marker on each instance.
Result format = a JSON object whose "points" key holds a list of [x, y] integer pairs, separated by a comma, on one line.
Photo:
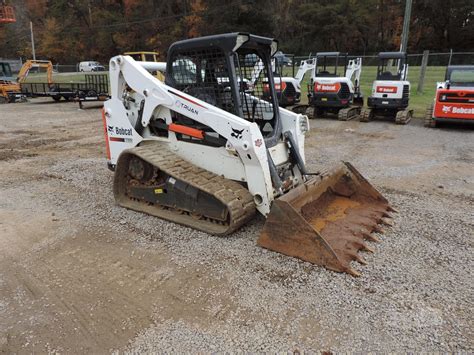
{"points": [[327, 220]]}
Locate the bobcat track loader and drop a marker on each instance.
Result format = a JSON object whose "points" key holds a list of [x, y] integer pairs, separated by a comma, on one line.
{"points": [[201, 151], [454, 98]]}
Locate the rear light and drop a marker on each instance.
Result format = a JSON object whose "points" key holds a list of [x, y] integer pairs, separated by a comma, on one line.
{"points": [[281, 86], [344, 102]]}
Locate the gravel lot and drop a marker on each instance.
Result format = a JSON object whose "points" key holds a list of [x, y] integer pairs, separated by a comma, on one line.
{"points": [[79, 274]]}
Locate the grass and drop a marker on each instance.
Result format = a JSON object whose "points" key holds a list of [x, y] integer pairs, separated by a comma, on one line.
{"points": [[418, 102]]}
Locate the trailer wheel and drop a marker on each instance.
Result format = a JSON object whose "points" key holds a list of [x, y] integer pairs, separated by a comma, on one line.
{"points": [[91, 93], [80, 94], [57, 96]]}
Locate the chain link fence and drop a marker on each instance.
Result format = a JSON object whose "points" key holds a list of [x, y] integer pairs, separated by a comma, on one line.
{"points": [[434, 59]]}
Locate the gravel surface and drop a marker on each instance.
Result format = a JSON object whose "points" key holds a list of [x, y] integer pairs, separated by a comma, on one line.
{"points": [[110, 279]]}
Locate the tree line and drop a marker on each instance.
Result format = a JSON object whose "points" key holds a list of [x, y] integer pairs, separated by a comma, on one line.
{"points": [[68, 31]]}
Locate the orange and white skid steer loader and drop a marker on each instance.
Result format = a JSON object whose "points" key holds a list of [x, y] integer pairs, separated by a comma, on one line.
{"points": [[454, 98], [202, 151]]}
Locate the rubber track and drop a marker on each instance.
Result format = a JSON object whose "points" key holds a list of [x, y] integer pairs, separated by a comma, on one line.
{"points": [[403, 117], [238, 200], [345, 114], [429, 122]]}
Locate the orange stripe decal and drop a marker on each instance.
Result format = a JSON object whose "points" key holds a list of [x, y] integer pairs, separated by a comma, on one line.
{"points": [[106, 135], [192, 132]]}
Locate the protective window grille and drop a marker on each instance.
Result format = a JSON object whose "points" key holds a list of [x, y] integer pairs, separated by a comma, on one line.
{"points": [[254, 89], [204, 74]]}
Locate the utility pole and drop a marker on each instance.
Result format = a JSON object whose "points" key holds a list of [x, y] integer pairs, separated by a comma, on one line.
{"points": [[32, 41], [406, 26], [90, 13]]}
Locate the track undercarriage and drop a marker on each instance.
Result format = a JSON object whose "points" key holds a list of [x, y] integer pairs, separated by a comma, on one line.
{"points": [[152, 179]]}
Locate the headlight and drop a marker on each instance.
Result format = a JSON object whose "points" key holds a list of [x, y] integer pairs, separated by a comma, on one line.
{"points": [[304, 123]]}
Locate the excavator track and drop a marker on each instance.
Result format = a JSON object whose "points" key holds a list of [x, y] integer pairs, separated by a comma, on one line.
{"points": [[366, 115], [149, 176], [403, 117], [349, 113]]}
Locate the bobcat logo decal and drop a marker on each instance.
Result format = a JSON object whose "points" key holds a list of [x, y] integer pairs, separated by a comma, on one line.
{"points": [[446, 109], [236, 133]]}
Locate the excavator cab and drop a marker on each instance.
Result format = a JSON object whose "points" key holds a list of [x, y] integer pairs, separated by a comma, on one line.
{"points": [[331, 64]]}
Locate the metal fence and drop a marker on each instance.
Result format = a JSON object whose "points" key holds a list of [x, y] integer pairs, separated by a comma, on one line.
{"points": [[15, 64], [434, 58]]}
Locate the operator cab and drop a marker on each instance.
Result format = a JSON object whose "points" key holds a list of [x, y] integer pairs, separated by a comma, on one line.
{"points": [[217, 69], [5, 71], [392, 66], [331, 64], [460, 75]]}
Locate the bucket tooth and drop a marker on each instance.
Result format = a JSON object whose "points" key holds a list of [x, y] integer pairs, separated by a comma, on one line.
{"points": [[391, 209], [368, 249], [371, 237], [360, 259], [352, 272], [386, 222], [386, 215], [378, 229]]}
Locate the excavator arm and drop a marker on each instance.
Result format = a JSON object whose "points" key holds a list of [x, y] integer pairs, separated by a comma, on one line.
{"points": [[353, 71], [305, 66], [25, 69]]}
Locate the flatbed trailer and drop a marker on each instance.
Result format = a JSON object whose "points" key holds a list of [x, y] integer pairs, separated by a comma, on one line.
{"points": [[95, 88]]}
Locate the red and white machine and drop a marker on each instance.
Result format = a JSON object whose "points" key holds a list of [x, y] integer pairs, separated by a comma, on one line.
{"points": [[335, 86], [454, 99], [391, 90]]}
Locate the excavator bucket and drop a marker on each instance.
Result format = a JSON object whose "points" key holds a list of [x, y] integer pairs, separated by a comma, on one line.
{"points": [[327, 220]]}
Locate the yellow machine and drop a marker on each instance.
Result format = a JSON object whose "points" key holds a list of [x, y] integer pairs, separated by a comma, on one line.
{"points": [[25, 69], [143, 56], [10, 91]]}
